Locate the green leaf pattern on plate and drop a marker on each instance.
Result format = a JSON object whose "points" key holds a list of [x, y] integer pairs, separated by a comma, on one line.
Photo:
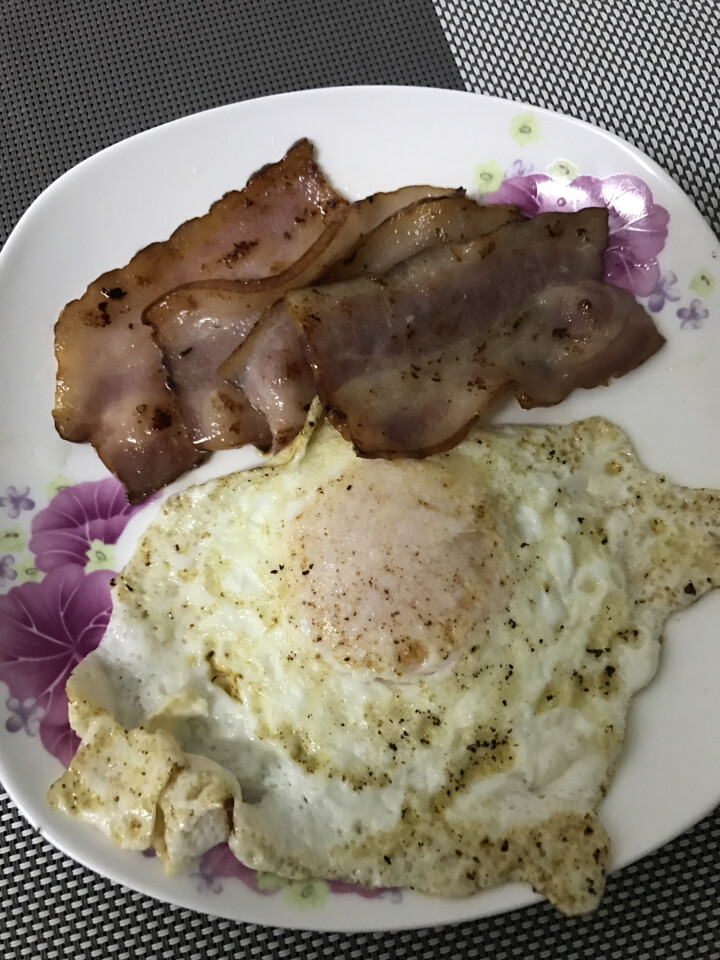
{"points": [[563, 170], [57, 484], [525, 128], [487, 177], [703, 283], [305, 894], [101, 556]]}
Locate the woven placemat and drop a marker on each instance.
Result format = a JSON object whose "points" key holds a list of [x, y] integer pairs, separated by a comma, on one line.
{"points": [[83, 74], [649, 71]]}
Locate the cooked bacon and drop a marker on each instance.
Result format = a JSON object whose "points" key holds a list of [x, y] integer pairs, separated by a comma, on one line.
{"points": [[580, 335], [405, 363], [270, 366], [418, 226], [196, 326], [428, 306], [375, 209], [273, 374], [111, 383]]}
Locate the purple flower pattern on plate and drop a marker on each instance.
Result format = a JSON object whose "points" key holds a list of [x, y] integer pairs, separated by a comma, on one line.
{"points": [[46, 629], [220, 862], [520, 168], [15, 501], [7, 568], [693, 315], [665, 290], [76, 516], [394, 894], [207, 880], [637, 225], [24, 715]]}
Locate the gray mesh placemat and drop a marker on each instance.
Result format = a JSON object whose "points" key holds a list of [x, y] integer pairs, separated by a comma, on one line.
{"points": [[77, 76], [649, 71]]}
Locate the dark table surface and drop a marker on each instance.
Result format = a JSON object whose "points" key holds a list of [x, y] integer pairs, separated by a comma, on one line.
{"points": [[78, 75]]}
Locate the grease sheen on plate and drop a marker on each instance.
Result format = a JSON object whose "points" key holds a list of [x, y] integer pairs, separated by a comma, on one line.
{"points": [[666, 407]]}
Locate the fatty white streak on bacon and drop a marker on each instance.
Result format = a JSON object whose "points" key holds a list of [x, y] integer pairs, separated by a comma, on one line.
{"points": [[111, 383], [270, 366], [405, 363]]}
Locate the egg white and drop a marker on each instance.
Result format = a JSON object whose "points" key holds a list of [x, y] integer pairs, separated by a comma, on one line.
{"points": [[403, 672]]}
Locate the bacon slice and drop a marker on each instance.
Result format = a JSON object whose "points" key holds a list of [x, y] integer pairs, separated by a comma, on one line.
{"points": [[270, 368], [195, 327], [111, 383], [223, 314], [371, 211], [579, 335], [416, 227], [405, 363]]}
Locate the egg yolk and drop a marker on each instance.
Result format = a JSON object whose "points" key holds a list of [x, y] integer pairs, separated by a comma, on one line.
{"points": [[394, 566]]}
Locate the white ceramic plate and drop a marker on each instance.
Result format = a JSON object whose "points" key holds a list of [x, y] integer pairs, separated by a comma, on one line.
{"points": [[97, 215]]}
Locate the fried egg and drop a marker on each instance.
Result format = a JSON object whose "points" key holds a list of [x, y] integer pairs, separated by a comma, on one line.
{"points": [[394, 672]]}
